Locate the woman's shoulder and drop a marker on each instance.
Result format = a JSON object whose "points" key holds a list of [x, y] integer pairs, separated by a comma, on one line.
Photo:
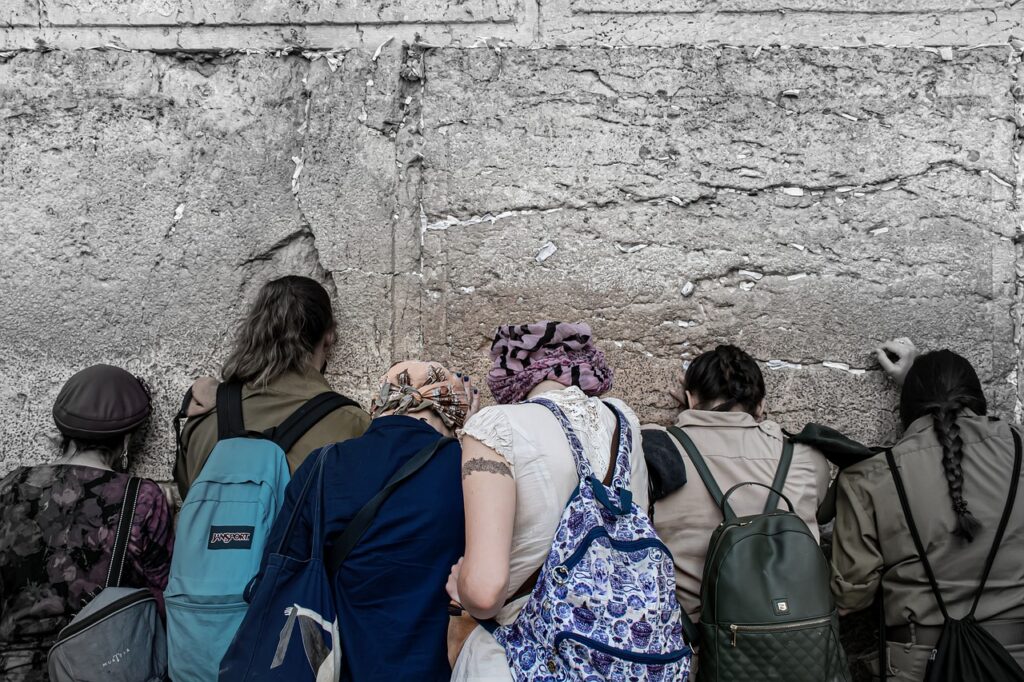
{"points": [[151, 497], [625, 409], [493, 426]]}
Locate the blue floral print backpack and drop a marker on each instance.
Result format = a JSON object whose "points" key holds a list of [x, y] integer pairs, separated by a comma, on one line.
{"points": [[604, 606]]}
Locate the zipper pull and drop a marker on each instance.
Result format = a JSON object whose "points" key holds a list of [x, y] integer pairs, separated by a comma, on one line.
{"points": [[734, 631]]}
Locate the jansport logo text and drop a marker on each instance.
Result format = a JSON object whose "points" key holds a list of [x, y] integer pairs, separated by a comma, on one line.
{"points": [[230, 537]]}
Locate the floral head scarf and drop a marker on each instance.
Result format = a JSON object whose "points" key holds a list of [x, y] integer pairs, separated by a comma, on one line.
{"points": [[413, 386], [524, 355]]}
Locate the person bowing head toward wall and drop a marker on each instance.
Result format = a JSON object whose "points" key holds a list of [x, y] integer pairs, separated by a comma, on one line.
{"points": [[279, 358], [955, 466], [724, 414], [524, 460], [58, 521], [389, 589]]}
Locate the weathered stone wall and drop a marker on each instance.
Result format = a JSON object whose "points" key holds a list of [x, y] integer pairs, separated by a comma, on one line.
{"points": [[821, 175]]}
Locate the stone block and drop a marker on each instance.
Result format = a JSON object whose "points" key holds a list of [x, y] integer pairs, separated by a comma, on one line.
{"points": [[146, 200], [881, 7], [602, 125], [807, 237], [279, 12], [19, 13]]}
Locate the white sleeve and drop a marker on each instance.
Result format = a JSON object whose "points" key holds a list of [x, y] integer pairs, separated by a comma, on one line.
{"points": [[491, 427]]}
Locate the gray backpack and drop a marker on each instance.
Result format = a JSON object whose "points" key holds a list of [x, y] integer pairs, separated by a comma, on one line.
{"points": [[118, 636]]}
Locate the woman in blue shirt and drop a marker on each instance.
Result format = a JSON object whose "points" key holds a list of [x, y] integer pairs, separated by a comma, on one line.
{"points": [[390, 591]]}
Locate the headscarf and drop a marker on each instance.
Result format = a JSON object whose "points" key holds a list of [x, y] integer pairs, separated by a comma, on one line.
{"points": [[413, 386], [524, 355]]}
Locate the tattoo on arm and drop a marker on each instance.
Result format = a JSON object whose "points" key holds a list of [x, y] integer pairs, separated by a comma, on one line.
{"points": [[487, 465]]}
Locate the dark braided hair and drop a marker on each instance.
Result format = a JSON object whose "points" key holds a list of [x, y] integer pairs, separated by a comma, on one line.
{"points": [[729, 374], [941, 384]]}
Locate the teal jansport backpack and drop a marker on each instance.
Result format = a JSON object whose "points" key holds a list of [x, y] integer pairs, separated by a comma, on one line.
{"points": [[767, 612], [222, 529]]}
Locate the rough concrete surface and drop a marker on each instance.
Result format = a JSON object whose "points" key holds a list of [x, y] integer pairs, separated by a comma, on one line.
{"points": [[815, 176]]}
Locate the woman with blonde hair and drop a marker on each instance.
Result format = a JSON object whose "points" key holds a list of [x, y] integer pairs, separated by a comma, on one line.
{"points": [[279, 357]]}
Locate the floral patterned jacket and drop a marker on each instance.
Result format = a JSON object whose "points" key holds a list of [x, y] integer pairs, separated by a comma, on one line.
{"points": [[57, 527]]}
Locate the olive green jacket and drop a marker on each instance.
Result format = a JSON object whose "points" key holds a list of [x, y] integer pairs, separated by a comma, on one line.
{"points": [[872, 546], [267, 407]]}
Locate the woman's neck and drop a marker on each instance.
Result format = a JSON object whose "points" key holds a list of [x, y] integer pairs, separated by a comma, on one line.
{"points": [[544, 387], [428, 417], [88, 458]]}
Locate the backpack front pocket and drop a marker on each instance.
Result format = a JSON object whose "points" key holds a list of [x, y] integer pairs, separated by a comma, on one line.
{"points": [[198, 635], [801, 651], [581, 653]]}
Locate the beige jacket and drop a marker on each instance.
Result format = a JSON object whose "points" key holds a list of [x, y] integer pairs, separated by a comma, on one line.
{"points": [[737, 449]]}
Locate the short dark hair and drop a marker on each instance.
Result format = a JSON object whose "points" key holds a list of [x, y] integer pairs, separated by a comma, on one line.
{"points": [[726, 373]]}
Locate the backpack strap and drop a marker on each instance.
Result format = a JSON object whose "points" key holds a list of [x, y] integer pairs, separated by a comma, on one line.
{"points": [[702, 469], [180, 465], [124, 532], [287, 433], [357, 527], [1001, 529], [229, 410], [181, 415], [531, 582], [901, 492], [780, 476]]}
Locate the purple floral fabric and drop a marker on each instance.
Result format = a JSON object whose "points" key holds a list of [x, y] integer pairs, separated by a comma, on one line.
{"points": [[57, 527], [604, 607]]}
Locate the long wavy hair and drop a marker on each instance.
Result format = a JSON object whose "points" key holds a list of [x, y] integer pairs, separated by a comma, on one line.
{"points": [[289, 317], [729, 374], [941, 384]]}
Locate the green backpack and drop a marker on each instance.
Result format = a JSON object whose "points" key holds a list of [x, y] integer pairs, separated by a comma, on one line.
{"points": [[766, 608]]}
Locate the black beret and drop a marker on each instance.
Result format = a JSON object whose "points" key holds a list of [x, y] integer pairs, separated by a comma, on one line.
{"points": [[101, 402]]}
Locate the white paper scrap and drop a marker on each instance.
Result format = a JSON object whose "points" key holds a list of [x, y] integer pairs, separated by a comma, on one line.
{"points": [[782, 364], [546, 252]]}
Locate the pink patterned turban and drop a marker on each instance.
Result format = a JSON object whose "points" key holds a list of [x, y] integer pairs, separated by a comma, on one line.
{"points": [[524, 355]]}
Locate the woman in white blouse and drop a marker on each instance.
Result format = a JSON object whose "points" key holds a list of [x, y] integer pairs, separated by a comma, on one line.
{"points": [[518, 473]]}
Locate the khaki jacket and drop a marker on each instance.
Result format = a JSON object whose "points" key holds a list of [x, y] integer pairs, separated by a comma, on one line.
{"points": [[265, 408], [737, 449], [871, 539]]}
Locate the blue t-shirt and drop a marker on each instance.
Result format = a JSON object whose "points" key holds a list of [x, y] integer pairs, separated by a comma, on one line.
{"points": [[390, 592]]}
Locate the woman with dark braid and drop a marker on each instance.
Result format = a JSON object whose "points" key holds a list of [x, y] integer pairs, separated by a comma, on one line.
{"points": [[724, 415], [955, 463]]}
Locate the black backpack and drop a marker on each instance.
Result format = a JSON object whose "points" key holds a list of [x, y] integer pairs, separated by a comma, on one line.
{"points": [[767, 611], [965, 652]]}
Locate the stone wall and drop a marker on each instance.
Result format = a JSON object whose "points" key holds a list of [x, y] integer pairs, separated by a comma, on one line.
{"points": [[815, 175]]}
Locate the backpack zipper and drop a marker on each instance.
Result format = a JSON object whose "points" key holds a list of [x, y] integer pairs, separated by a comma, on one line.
{"points": [[107, 611], [642, 657], [798, 625]]}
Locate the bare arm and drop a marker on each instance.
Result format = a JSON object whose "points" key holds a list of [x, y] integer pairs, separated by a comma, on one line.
{"points": [[480, 580]]}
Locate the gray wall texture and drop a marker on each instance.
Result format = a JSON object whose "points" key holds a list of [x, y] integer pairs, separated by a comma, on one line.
{"points": [[805, 178]]}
